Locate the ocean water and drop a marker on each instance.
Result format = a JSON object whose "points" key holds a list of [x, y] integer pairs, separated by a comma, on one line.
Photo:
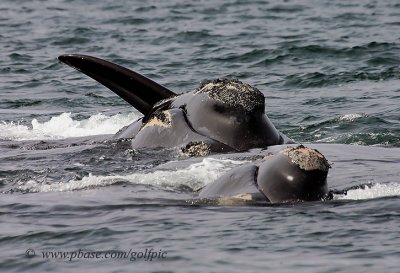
{"points": [[330, 72]]}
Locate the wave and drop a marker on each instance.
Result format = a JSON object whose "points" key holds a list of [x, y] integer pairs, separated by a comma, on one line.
{"points": [[321, 79], [65, 126], [194, 176], [370, 192], [349, 128]]}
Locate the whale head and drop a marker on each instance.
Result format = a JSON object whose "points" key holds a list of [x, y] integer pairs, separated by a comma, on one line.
{"points": [[231, 112], [294, 174], [226, 112]]}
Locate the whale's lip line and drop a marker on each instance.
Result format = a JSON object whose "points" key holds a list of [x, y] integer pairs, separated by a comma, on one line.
{"points": [[189, 124]]}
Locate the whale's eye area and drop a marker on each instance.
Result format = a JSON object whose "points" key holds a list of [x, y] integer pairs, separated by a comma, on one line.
{"points": [[230, 112], [219, 109], [294, 174]]}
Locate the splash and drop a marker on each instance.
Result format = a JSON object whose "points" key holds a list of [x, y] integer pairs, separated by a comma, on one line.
{"points": [[370, 192], [195, 176], [65, 126], [352, 117]]}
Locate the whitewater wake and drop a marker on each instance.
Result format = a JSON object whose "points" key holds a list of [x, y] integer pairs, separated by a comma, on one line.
{"points": [[377, 190], [194, 177], [65, 126]]}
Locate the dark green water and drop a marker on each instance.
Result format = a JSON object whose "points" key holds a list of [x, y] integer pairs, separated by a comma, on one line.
{"points": [[330, 71]]}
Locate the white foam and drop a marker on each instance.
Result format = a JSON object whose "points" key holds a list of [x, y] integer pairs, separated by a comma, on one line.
{"points": [[352, 117], [65, 126], [369, 192], [194, 176]]}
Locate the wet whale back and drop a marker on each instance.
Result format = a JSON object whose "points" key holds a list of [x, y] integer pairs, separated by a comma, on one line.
{"points": [[225, 115], [291, 175], [237, 181], [230, 112]]}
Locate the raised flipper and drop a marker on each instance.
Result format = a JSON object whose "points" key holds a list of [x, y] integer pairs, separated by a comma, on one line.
{"points": [[139, 91]]}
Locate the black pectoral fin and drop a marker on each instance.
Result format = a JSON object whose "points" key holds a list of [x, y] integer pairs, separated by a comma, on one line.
{"points": [[139, 91]]}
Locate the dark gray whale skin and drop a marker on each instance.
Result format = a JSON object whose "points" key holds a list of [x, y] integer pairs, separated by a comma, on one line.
{"points": [[291, 175], [219, 116]]}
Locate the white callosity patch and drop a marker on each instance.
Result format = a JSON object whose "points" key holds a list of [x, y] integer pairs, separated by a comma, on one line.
{"points": [[163, 119], [234, 93], [369, 192], [197, 148], [306, 158], [65, 126], [194, 176]]}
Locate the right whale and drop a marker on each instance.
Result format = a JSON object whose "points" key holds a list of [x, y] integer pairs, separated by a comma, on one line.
{"points": [[219, 116], [294, 174]]}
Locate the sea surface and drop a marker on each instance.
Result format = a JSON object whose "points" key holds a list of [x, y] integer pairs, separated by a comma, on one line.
{"points": [[70, 196]]}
